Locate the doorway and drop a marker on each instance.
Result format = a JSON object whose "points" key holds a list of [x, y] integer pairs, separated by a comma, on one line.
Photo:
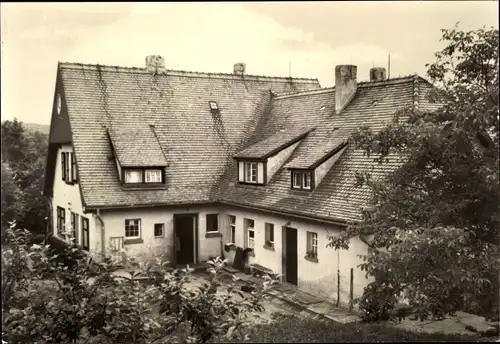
{"points": [[291, 273], [185, 238]]}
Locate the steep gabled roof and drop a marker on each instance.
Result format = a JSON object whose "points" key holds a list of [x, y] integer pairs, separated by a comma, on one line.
{"points": [[176, 104], [273, 144]]}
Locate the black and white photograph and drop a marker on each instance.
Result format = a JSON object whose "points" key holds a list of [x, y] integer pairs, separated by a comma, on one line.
{"points": [[250, 172]]}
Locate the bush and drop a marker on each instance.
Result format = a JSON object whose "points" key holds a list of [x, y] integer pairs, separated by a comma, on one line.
{"points": [[378, 302], [62, 297]]}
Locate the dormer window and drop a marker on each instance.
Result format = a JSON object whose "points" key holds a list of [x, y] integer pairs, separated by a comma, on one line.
{"points": [[302, 180], [143, 176]]}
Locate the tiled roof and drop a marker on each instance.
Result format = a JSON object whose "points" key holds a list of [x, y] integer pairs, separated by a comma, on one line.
{"points": [[137, 146], [273, 143], [165, 119], [197, 145], [336, 197], [320, 144]]}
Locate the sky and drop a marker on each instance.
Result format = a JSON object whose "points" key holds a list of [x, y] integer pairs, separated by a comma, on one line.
{"points": [[273, 38]]}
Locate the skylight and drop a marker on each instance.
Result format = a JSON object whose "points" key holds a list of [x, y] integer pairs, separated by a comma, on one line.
{"points": [[213, 105]]}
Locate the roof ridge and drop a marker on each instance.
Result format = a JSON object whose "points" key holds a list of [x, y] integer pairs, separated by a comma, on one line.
{"points": [[321, 90], [88, 66]]}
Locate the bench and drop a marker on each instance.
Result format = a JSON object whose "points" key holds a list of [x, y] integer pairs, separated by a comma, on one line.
{"points": [[259, 270]]}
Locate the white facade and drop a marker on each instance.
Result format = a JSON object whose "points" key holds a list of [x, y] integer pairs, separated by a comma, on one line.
{"points": [[317, 277]]}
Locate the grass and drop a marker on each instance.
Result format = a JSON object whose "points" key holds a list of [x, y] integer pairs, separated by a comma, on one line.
{"points": [[291, 329]]}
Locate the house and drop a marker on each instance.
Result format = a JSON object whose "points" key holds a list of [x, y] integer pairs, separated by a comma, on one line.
{"points": [[148, 161]]}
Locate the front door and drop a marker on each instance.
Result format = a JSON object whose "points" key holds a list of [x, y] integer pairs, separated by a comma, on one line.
{"points": [[291, 274], [184, 238]]}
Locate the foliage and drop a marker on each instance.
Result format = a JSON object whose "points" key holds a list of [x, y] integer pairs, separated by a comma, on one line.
{"points": [[435, 221], [292, 329], [24, 154], [45, 300]]}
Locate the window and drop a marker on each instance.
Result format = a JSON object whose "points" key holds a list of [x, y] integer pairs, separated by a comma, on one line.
{"points": [[301, 180], [61, 220], [269, 234], [250, 230], [74, 176], [85, 233], [153, 176], [159, 229], [306, 180], [213, 105], [312, 245], [251, 172], [74, 226], [133, 228], [296, 180], [133, 176], [143, 176], [232, 228], [212, 223]]}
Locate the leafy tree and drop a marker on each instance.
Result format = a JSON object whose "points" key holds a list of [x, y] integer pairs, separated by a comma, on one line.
{"points": [[24, 152], [12, 197], [45, 300], [435, 220]]}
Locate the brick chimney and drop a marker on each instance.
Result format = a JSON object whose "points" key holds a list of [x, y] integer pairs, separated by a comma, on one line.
{"points": [[378, 74], [155, 64], [345, 85]]}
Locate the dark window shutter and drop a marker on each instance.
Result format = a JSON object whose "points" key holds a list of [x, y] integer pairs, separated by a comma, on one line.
{"points": [[63, 165]]}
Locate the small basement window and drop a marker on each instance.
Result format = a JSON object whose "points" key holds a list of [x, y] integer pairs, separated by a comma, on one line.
{"points": [[302, 180], [213, 105]]}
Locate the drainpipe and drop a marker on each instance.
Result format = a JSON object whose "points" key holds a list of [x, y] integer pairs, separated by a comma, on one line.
{"points": [[103, 236]]}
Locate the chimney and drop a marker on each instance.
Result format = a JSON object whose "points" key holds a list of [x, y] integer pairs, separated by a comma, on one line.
{"points": [[378, 74], [155, 64], [345, 85], [239, 68]]}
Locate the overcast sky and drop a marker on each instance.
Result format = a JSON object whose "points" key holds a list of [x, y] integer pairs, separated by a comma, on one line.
{"points": [[211, 37]]}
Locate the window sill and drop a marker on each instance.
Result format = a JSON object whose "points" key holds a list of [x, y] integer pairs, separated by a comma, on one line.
{"points": [[133, 241], [311, 259], [213, 235], [160, 237], [269, 247]]}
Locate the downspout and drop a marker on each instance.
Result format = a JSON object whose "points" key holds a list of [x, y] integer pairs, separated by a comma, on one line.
{"points": [[103, 236]]}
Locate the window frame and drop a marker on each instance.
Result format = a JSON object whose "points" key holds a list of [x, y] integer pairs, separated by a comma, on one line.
{"points": [[248, 167], [74, 226], [85, 229], [206, 223], [139, 225], [269, 234], [312, 244], [302, 176], [249, 229], [61, 221], [232, 228], [162, 230], [143, 175]]}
